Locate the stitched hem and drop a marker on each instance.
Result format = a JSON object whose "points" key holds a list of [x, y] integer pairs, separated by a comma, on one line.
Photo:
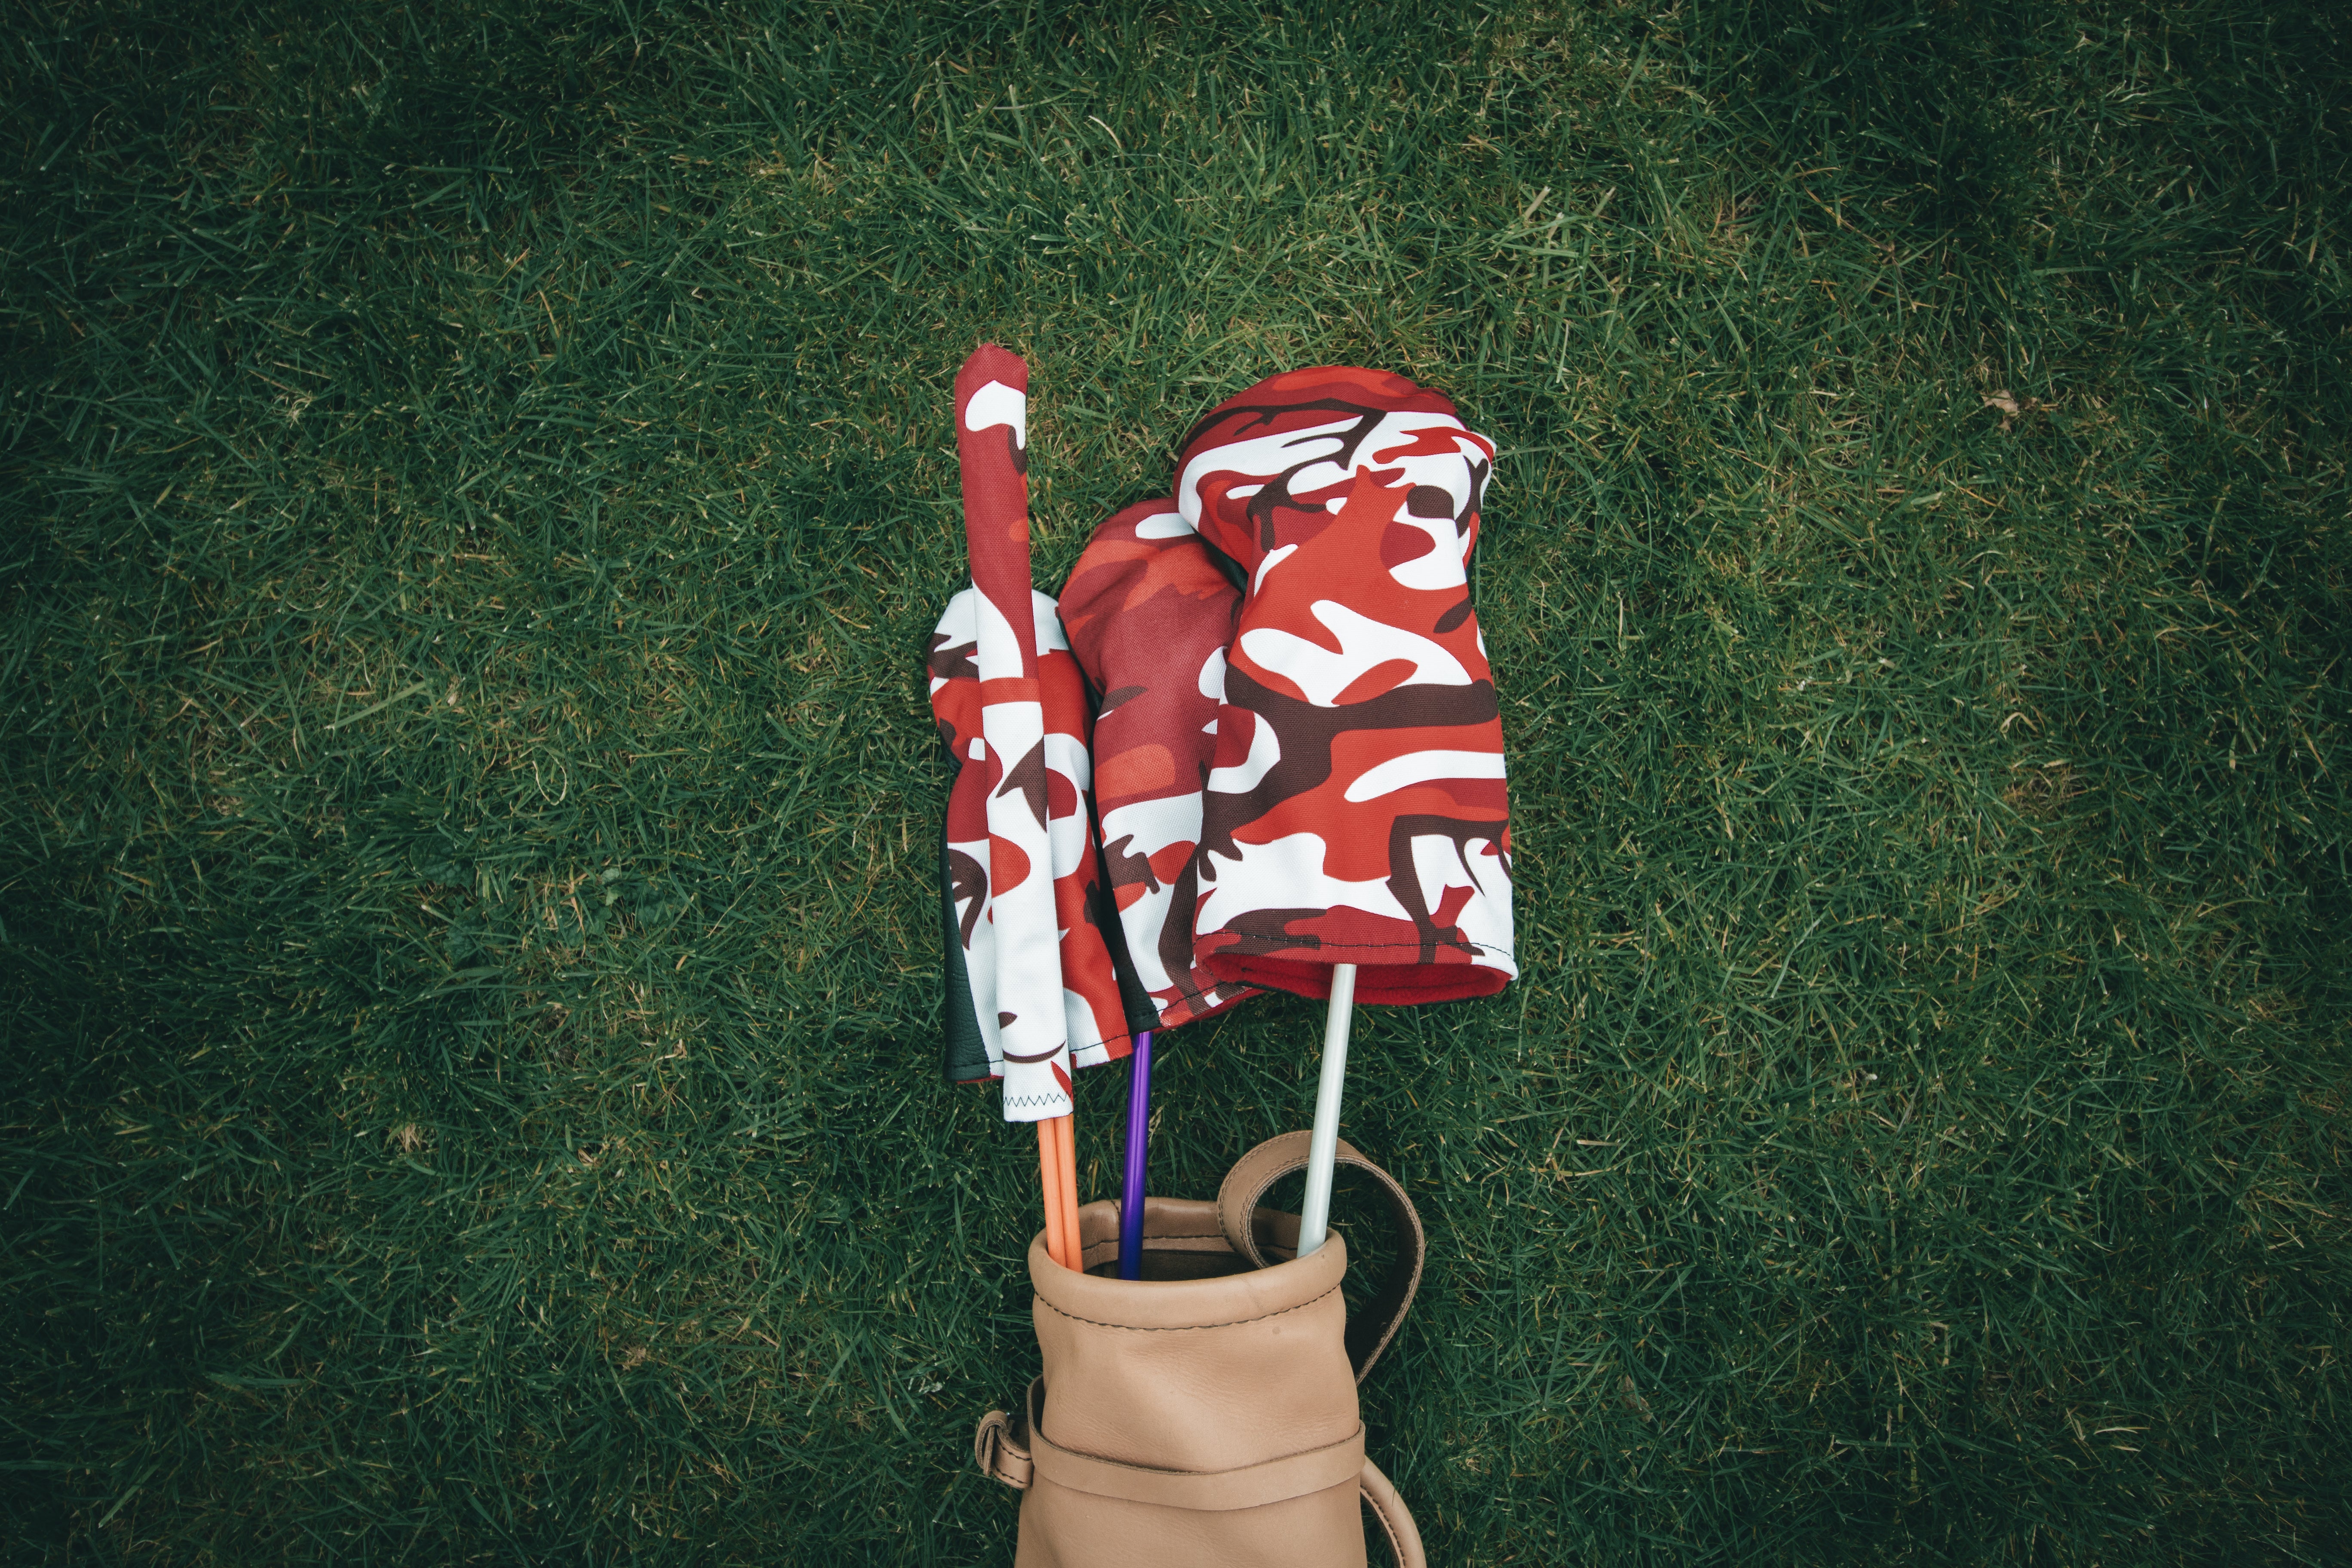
{"points": [[1504, 954], [1384, 978], [1183, 1327], [1118, 1048], [1157, 1472]]}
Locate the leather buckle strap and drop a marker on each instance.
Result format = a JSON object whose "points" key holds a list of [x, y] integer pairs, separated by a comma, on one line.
{"points": [[999, 1451], [1370, 1331], [1209, 1492]]}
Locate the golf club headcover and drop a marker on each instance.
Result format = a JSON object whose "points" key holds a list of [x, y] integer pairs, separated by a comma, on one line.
{"points": [[1149, 617], [1031, 864], [1356, 813], [1096, 999]]}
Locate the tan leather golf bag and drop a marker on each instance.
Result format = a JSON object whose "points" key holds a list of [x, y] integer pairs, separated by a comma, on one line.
{"points": [[1206, 1412]]}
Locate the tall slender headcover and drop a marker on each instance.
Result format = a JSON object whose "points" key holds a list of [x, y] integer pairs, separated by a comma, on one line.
{"points": [[991, 424], [1032, 989], [1356, 813]]}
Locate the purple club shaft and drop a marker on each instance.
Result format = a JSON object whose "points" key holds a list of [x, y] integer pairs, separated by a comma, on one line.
{"points": [[1139, 1149]]}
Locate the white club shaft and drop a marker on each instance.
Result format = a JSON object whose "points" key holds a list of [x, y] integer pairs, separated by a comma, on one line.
{"points": [[1323, 1146]]}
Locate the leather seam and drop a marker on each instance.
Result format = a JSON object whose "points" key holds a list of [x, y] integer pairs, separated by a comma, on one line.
{"points": [[1160, 1472], [1185, 1328], [1380, 1517]]}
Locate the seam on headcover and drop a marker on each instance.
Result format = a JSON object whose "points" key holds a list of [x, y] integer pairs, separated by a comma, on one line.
{"points": [[1355, 947]]}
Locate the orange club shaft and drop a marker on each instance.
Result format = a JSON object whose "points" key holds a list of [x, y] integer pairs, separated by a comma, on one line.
{"points": [[1054, 1249], [1068, 1137], [1058, 1170]]}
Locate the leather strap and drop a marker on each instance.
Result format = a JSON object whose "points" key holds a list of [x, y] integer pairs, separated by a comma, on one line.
{"points": [[999, 1451], [1395, 1519], [1370, 1331], [1207, 1491]]}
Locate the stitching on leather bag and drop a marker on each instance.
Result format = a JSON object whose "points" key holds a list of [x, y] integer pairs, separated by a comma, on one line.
{"points": [[1187, 1328], [1381, 1515], [1162, 1472]]}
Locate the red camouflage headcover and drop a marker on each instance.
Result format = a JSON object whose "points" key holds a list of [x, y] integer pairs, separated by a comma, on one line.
{"points": [[1037, 984], [1149, 617], [1357, 811], [1092, 1000]]}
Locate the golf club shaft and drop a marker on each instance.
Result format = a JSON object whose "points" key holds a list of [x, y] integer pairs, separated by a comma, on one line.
{"points": [[1066, 1190], [1138, 1151], [1323, 1146], [1049, 1178]]}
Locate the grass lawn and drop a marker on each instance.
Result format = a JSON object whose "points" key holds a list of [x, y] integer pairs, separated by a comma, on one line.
{"points": [[478, 481]]}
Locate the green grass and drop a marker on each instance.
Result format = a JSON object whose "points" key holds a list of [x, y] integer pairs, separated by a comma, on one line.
{"points": [[478, 482]]}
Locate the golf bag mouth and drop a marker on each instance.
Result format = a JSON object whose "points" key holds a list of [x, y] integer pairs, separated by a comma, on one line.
{"points": [[1187, 1259], [1181, 1240]]}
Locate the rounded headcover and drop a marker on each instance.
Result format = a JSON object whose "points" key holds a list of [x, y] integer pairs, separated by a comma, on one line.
{"points": [[1356, 810]]}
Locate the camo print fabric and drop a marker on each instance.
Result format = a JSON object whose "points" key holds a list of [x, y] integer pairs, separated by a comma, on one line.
{"points": [[1095, 1003], [1148, 616], [1355, 812], [1027, 857]]}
